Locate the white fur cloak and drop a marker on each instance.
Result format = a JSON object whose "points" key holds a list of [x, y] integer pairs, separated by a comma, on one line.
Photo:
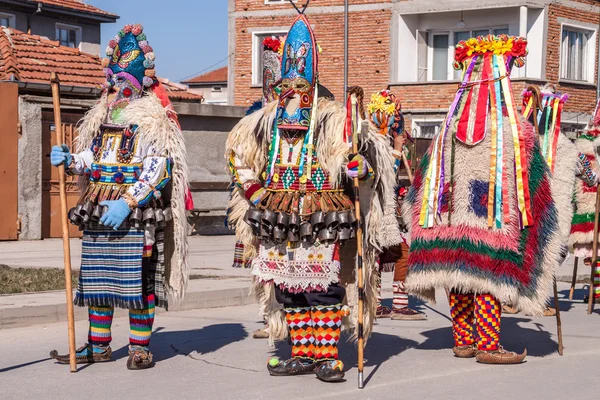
{"points": [[155, 125]]}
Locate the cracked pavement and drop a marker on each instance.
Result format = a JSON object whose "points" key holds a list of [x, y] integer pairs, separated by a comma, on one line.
{"points": [[210, 354]]}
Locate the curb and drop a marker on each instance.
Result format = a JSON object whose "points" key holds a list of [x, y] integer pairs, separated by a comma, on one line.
{"points": [[20, 317]]}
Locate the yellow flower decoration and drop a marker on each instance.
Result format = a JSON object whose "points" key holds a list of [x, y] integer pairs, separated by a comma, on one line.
{"points": [[303, 179], [379, 103], [276, 178]]}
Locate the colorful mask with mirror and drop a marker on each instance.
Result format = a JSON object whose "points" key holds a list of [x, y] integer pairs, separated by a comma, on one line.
{"points": [[298, 77], [129, 69]]}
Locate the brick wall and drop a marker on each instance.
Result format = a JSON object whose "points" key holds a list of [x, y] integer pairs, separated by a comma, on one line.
{"points": [[369, 48], [259, 5], [582, 98]]}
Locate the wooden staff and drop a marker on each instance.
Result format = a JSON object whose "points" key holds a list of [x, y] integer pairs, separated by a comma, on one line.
{"points": [[574, 279], [407, 166], [558, 321], [359, 244], [594, 252], [55, 84], [537, 100]]}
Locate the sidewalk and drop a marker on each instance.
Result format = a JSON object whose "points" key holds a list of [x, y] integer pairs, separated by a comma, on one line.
{"points": [[217, 283]]}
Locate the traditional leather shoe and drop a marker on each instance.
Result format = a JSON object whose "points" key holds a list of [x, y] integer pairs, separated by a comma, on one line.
{"points": [[260, 334], [408, 314], [500, 356], [330, 371], [549, 312], [86, 354], [506, 309], [383, 312], [293, 366], [464, 351], [139, 358]]}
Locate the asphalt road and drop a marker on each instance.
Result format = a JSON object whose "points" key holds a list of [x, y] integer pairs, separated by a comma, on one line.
{"points": [[210, 354]]}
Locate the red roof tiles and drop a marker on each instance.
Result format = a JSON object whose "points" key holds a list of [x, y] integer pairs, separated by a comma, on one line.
{"points": [[29, 58], [76, 5], [214, 76]]}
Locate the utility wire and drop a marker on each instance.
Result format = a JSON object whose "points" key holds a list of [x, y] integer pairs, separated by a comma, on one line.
{"points": [[206, 69]]}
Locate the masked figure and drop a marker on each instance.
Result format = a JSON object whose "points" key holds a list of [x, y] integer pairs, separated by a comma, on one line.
{"points": [[483, 222], [131, 157], [582, 229], [290, 161], [386, 114]]}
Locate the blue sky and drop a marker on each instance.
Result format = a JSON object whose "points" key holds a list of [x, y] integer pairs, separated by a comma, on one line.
{"points": [[188, 36]]}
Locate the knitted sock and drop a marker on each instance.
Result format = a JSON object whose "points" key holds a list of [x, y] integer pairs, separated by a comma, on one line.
{"points": [[140, 323], [597, 280], [300, 325], [327, 323], [488, 311], [100, 323], [400, 300], [463, 318]]}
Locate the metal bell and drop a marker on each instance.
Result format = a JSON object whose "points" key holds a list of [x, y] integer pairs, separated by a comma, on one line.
{"points": [[253, 217], [317, 221], [268, 221], [168, 214], [332, 221], [159, 215], [74, 218], [306, 232], [96, 214], [149, 217], [135, 218], [327, 236]]}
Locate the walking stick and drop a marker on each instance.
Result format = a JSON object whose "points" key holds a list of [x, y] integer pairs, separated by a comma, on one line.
{"points": [[574, 279], [594, 252], [536, 104], [359, 242], [558, 321], [55, 84], [407, 166]]}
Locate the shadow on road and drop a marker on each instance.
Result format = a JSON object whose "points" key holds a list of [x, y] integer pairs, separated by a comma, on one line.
{"points": [[538, 341], [168, 344], [380, 348]]}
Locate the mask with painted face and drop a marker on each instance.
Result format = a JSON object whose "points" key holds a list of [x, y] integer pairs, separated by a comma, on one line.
{"points": [[299, 77]]}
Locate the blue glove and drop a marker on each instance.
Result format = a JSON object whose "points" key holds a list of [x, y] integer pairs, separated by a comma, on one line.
{"points": [[60, 155], [118, 210]]}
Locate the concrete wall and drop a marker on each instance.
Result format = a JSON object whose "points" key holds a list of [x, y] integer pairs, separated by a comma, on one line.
{"points": [[204, 126], [30, 170]]}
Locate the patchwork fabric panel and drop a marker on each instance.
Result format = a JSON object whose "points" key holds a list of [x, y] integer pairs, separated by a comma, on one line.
{"points": [[478, 199]]}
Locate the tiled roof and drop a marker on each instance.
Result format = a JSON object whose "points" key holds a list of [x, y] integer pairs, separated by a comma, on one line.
{"points": [[179, 92], [214, 76], [29, 58], [75, 5]]}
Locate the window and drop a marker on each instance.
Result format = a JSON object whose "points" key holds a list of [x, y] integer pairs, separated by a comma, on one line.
{"points": [[577, 54], [7, 20], [216, 89], [257, 49], [425, 129], [68, 36], [441, 51]]}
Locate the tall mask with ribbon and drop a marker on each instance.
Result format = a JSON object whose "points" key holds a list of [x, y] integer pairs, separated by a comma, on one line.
{"points": [[297, 104], [298, 77], [129, 69], [484, 93]]}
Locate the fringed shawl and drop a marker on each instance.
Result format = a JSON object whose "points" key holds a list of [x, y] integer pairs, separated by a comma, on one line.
{"points": [[156, 125]]}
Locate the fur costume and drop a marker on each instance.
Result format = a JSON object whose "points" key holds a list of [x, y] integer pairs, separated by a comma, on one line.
{"points": [[250, 138], [582, 229], [559, 152], [158, 122], [483, 217]]}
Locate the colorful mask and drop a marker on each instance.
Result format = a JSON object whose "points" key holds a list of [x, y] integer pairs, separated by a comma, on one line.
{"points": [[299, 77], [272, 48], [130, 58], [385, 112]]}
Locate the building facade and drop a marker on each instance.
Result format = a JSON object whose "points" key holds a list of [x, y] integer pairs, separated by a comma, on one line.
{"points": [[70, 22], [212, 86], [408, 45]]}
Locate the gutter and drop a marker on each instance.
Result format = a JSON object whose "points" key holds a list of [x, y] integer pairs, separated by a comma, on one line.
{"points": [[45, 87]]}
